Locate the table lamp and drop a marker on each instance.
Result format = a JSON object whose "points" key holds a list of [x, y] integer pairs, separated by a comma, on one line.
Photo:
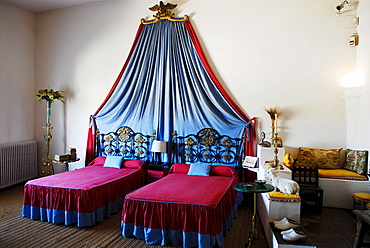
{"points": [[158, 147]]}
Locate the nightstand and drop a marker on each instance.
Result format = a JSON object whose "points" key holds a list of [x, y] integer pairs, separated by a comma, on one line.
{"points": [[66, 163], [157, 171]]}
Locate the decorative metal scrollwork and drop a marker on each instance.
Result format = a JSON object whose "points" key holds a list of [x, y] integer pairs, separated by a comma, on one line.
{"points": [[124, 142], [210, 147]]}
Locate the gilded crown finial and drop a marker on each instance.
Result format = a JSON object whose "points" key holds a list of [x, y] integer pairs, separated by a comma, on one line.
{"points": [[163, 9], [163, 12]]}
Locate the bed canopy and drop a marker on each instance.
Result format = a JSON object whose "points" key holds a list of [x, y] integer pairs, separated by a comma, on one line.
{"points": [[166, 85]]}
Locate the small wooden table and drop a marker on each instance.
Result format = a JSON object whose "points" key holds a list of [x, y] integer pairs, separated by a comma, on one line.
{"points": [[363, 225], [66, 163]]}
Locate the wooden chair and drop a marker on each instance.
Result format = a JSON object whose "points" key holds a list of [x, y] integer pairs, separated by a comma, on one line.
{"points": [[308, 180]]}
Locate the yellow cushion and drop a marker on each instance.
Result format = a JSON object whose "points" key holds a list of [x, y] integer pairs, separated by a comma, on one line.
{"points": [[361, 196], [325, 159], [341, 174], [282, 197], [288, 160]]}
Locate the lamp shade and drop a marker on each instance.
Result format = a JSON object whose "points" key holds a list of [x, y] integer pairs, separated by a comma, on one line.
{"points": [[159, 146]]}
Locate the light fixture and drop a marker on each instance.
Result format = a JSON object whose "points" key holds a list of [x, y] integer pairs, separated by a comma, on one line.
{"points": [[158, 147], [341, 6], [353, 79], [352, 85]]}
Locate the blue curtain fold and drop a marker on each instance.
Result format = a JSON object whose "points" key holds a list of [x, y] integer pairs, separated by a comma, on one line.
{"points": [[165, 87]]}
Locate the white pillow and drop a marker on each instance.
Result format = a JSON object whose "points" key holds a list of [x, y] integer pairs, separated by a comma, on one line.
{"points": [[113, 162], [200, 169]]}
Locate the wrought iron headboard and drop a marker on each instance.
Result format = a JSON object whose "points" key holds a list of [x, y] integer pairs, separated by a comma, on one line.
{"points": [[124, 142], [208, 146]]}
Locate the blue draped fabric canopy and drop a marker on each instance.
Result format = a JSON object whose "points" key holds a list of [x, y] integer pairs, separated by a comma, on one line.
{"points": [[165, 87]]}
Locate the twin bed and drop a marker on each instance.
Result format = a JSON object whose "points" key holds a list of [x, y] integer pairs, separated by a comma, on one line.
{"points": [[82, 196], [92, 193], [195, 211], [194, 205]]}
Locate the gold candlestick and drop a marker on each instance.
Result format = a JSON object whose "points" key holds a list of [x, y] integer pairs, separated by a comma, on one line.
{"points": [[49, 96]]}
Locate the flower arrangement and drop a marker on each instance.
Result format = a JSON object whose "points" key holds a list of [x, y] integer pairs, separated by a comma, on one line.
{"points": [[274, 114], [50, 95]]}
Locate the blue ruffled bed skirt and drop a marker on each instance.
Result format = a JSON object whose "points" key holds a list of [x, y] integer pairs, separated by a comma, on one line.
{"points": [[177, 237], [72, 217]]}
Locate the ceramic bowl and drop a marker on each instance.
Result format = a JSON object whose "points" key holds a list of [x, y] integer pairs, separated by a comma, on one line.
{"points": [[260, 182]]}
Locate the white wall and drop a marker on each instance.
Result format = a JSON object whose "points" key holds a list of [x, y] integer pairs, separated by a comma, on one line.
{"points": [[362, 139], [287, 54], [17, 74], [81, 51]]}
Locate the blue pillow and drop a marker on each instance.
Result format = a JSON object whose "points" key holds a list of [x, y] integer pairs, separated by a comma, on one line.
{"points": [[199, 169], [113, 162]]}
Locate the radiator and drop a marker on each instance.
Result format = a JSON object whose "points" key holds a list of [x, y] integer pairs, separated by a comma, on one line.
{"points": [[18, 162]]}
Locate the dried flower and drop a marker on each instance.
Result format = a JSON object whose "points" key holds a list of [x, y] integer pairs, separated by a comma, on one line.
{"points": [[273, 112], [50, 95]]}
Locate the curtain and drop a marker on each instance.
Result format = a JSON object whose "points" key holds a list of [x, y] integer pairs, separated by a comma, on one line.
{"points": [[167, 85]]}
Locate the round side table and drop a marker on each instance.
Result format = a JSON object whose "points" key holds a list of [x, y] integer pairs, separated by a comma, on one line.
{"points": [[255, 189]]}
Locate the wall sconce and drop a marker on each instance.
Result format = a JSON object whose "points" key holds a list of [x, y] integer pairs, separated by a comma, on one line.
{"points": [[352, 84], [158, 147], [341, 6]]}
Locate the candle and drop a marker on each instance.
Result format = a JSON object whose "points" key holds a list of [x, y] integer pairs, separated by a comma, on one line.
{"points": [[276, 124]]}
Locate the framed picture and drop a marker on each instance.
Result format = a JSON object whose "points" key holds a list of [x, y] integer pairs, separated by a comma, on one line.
{"points": [[250, 162]]}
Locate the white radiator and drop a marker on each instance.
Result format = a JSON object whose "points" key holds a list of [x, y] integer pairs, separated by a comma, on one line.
{"points": [[18, 162]]}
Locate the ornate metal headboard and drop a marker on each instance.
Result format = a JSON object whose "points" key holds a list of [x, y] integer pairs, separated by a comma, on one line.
{"points": [[124, 142], [208, 146]]}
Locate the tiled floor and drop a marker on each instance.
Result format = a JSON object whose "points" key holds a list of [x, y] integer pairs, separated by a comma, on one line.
{"points": [[334, 227]]}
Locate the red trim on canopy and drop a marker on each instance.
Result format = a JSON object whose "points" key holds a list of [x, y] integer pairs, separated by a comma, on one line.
{"points": [[138, 33], [193, 36], [250, 130], [90, 147], [249, 144]]}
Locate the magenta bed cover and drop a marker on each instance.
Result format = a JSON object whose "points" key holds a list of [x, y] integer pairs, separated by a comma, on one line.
{"points": [[82, 196], [192, 210]]}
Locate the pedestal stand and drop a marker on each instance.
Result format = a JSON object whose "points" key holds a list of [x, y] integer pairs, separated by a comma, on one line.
{"points": [[255, 189]]}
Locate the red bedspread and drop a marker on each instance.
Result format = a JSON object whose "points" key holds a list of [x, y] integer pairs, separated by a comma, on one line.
{"points": [[180, 188], [82, 196], [85, 178], [82, 190], [178, 201]]}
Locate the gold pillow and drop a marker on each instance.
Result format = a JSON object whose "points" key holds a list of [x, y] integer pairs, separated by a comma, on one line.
{"points": [[288, 160], [324, 158]]}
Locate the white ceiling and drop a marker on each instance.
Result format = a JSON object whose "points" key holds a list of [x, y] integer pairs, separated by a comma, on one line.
{"points": [[41, 5]]}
